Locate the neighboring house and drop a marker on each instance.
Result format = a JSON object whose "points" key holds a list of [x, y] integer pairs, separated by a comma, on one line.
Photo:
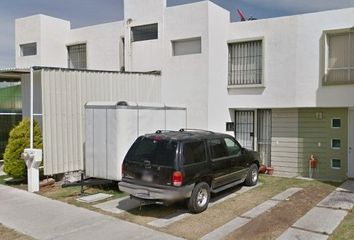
{"points": [[284, 86]]}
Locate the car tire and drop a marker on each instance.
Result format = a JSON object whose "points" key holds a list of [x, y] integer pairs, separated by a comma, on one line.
{"points": [[199, 199], [252, 176]]}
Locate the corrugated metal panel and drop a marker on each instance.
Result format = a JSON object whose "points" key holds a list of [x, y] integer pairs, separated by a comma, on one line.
{"points": [[64, 94]]}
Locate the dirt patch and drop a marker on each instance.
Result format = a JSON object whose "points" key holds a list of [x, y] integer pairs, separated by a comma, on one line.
{"points": [[198, 225], [273, 223], [9, 234]]}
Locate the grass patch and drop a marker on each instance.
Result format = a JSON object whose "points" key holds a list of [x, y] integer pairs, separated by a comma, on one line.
{"points": [[345, 230], [9, 234], [16, 183]]}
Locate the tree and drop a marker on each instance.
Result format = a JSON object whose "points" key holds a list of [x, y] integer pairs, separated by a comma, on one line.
{"points": [[14, 165]]}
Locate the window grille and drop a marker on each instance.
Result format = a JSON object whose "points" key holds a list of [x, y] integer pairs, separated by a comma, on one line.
{"points": [[245, 63], [77, 56]]}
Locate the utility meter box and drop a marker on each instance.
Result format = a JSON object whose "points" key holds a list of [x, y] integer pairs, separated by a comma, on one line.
{"points": [[33, 159], [112, 127]]}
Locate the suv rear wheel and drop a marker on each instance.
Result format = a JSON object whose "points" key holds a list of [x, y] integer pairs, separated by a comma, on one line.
{"points": [[200, 197], [252, 176]]}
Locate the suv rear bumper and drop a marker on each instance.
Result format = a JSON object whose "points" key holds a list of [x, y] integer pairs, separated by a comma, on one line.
{"points": [[154, 193]]}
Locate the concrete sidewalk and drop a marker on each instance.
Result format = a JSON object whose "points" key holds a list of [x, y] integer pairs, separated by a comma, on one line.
{"points": [[43, 218]]}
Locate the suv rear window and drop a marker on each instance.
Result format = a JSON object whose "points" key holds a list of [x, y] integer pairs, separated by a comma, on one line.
{"points": [[194, 152], [157, 151]]}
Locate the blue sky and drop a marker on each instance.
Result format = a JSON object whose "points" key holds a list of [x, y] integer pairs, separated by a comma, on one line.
{"points": [[89, 12]]}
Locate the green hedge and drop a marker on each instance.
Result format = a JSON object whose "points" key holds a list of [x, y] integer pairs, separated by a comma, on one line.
{"points": [[14, 165]]}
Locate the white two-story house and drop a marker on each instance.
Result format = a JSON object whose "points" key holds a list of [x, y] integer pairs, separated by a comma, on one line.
{"points": [[283, 86]]}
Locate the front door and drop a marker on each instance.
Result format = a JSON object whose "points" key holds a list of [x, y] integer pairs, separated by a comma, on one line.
{"points": [[351, 144], [264, 134], [244, 128], [255, 123]]}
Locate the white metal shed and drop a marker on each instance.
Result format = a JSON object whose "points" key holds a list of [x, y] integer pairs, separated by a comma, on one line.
{"points": [[112, 127]]}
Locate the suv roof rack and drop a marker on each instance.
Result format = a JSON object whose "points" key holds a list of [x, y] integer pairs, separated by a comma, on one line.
{"points": [[163, 131], [196, 130]]}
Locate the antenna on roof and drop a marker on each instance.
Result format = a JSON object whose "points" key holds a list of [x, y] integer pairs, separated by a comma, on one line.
{"points": [[243, 16]]}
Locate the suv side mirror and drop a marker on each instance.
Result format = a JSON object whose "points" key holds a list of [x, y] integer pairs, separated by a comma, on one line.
{"points": [[243, 150]]}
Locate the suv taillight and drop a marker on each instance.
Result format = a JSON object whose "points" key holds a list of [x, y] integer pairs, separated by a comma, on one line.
{"points": [[124, 170], [177, 178]]}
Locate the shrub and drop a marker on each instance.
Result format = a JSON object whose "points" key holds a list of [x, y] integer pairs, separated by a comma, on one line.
{"points": [[14, 165]]}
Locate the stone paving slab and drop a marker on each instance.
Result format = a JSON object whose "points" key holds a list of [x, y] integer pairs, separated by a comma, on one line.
{"points": [[347, 186], [321, 220], [297, 234], [94, 197], [118, 205], [245, 218], [226, 229], [339, 200], [261, 208], [286, 194]]}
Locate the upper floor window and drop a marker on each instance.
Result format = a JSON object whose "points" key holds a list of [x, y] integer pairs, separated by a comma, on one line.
{"points": [[340, 58], [245, 63], [187, 46], [77, 56], [144, 32], [28, 49]]}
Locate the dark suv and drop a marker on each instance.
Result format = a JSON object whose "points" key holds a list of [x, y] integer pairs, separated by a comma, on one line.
{"points": [[168, 166]]}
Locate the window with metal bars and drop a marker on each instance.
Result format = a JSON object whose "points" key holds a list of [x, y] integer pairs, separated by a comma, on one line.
{"points": [[144, 32], [77, 56], [245, 63], [340, 62]]}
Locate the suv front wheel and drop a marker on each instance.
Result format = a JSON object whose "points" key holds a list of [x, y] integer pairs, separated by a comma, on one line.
{"points": [[200, 197]]}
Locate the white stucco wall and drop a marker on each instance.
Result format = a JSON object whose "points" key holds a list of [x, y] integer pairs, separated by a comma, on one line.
{"points": [[144, 55], [185, 78], [293, 54], [292, 66], [102, 44], [53, 35]]}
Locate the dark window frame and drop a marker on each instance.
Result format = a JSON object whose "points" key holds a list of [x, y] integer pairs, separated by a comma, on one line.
{"points": [[144, 32], [338, 161], [336, 120], [28, 49]]}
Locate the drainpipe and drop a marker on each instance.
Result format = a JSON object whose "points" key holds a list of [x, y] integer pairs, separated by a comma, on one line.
{"points": [[31, 108]]}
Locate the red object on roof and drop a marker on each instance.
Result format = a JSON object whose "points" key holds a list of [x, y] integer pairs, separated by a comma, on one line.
{"points": [[242, 15]]}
